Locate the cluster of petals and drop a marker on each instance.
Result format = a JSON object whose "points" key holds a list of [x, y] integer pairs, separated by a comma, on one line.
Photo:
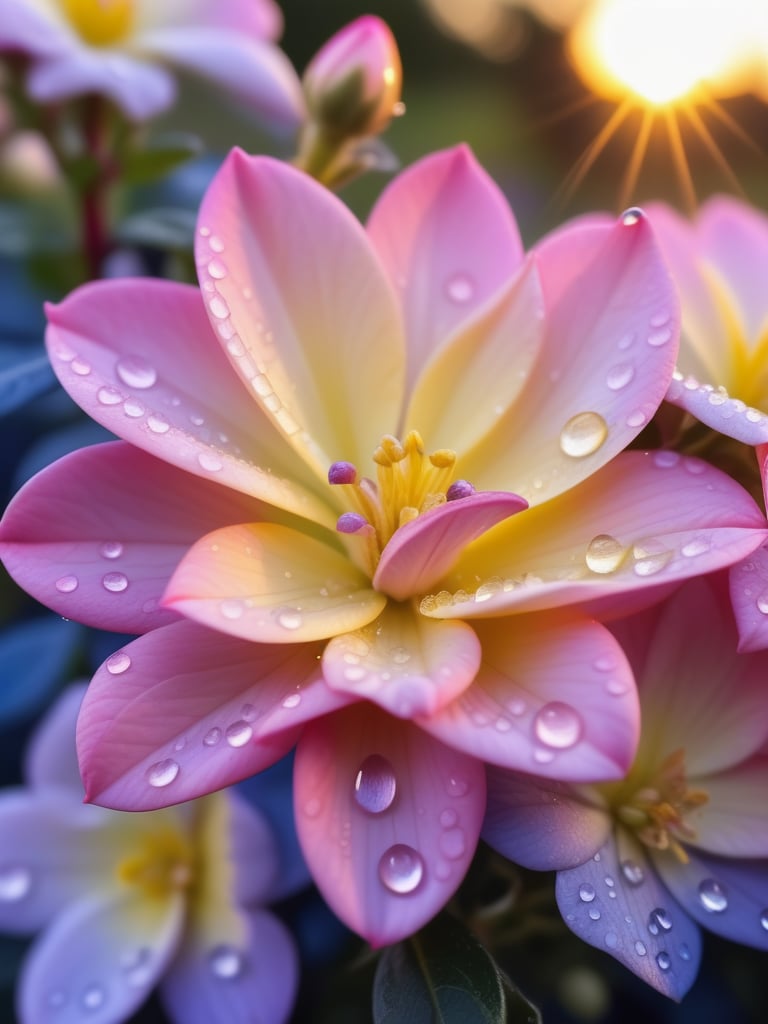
{"points": [[682, 841], [278, 608], [125, 903], [120, 49]]}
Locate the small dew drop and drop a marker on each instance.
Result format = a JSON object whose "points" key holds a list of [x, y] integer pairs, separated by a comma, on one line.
{"points": [[231, 608], [611, 940], [663, 960], [632, 872], [659, 921], [217, 269], [640, 948], [583, 434], [457, 786], [453, 843], [558, 725], [162, 773], [113, 549], [137, 967], [636, 418], [460, 288], [80, 367], [762, 604], [158, 424], [619, 376], [292, 700], [488, 590], [604, 554], [114, 582], [665, 459], [764, 919], [401, 869], [66, 584], [594, 914], [210, 462], [15, 883], [375, 784], [136, 372], [239, 733], [684, 951], [93, 998], [133, 409], [216, 244], [660, 337], [632, 216], [226, 962], [695, 547], [109, 396], [218, 308], [118, 663], [712, 896], [289, 618], [212, 737], [448, 817], [586, 892]]}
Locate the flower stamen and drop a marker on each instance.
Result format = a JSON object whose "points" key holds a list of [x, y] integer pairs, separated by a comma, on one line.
{"points": [[163, 863]]}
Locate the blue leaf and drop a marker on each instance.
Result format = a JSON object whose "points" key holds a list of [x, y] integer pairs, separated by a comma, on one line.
{"points": [[35, 659], [23, 376]]}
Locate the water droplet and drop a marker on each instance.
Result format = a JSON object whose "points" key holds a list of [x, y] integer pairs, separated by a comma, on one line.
{"points": [[543, 756], [289, 618], [762, 603], [658, 921], [292, 700], [457, 786], [133, 409], [112, 549], [136, 372], [448, 817], [663, 960], [617, 687], [212, 737], [764, 919], [114, 582], [401, 869], [231, 608], [453, 843], [636, 418], [632, 872], [685, 953], [660, 337], [210, 462], [66, 584], [162, 773], [698, 546], [586, 892], [118, 663], [218, 308], [632, 216], [15, 883], [80, 367], [460, 288], [488, 590], [216, 244], [594, 914], [226, 962], [651, 557], [375, 784], [239, 733], [583, 434], [611, 940], [109, 396], [217, 269], [235, 347], [619, 376], [558, 725], [158, 424], [93, 998], [604, 553], [640, 948], [666, 459], [712, 896]]}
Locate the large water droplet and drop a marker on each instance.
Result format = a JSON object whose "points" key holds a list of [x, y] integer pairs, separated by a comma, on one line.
{"points": [[713, 896], [632, 872], [659, 921], [460, 288], [375, 784], [558, 725], [586, 892], [239, 733], [604, 553], [66, 584], [162, 773], [136, 372], [583, 434], [663, 960], [118, 663], [619, 376], [401, 869], [15, 883], [115, 582], [226, 962]]}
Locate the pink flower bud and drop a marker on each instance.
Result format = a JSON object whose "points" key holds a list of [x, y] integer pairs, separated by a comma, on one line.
{"points": [[352, 84]]}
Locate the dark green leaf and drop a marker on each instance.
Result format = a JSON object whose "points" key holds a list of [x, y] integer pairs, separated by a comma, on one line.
{"points": [[165, 227], [519, 1010], [161, 156]]}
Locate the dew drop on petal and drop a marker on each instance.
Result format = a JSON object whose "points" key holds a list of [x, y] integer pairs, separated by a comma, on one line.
{"points": [[226, 962], [216, 244], [66, 584], [764, 919], [460, 288], [289, 618], [118, 663], [619, 376], [239, 733], [632, 872], [558, 725], [133, 409], [457, 786], [231, 608], [712, 896], [594, 914], [762, 604], [659, 921], [632, 216], [697, 546], [218, 308], [158, 424], [93, 998], [611, 940], [112, 549], [684, 951], [400, 656], [659, 337], [209, 461], [80, 367], [586, 892], [15, 883], [109, 396], [136, 372], [115, 582], [583, 434], [162, 773], [401, 869], [212, 737], [375, 784], [217, 269], [604, 554], [663, 960], [292, 700], [448, 817]]}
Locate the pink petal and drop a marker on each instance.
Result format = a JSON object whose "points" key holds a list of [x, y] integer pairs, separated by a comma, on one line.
{"points": [[541, 823], [714, 407], [563, 254], [184, 711], [425, 549], [448, 241], [734, 821], [140, 357], [552, 696], [402, 662], [607, 358], [388, 819], [645, 520], [97, 535], [228, 981], [103, 956], [272, 584], [749, 598], [288, 272]]}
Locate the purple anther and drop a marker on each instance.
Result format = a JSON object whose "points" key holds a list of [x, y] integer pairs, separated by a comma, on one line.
{"points": [[342, 473], [459, 489], [351, 522]]}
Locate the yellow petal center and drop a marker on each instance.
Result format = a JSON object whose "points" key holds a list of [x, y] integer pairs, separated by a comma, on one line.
{"points": [[162, 863], [100, 22]]}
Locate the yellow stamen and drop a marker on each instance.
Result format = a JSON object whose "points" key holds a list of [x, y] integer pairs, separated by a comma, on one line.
{"points": [[164, 862], [100, 22]]}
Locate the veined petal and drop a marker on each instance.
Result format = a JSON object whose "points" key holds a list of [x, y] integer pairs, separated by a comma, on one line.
{"points": [[100, 959], [552, 696], [604, 366], [141, 358], [51, 756], [218, 979], [644, 520], [185, 710], [734, 821], [448, 241], [401, 662], [615, 902], [729, 896], [289, 271], [271, 584], [542, 823], [388, 819], [425, 549], [480, 370], [563, 253], [714, 407], [749, 599], [97, 535]]}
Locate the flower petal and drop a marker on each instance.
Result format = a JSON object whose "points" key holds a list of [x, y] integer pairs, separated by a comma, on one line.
{"points": [[51, 755], [401, 662], [607, 358], [388, 819], [100, 959], [616, 902], [729, 896], [714, 407], [422, 551], [644, 520], [288, 272], [36, 32], [734, 821], [184, 710], [97, 535], [141, 358], [541, 823], [552, 696], [272, 584], [749, 599], [448, 241]]}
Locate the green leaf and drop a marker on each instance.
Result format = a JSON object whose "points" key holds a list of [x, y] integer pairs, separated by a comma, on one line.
{"points": [[165, 227], [162, 155], [519, 1010], [441, 975]]}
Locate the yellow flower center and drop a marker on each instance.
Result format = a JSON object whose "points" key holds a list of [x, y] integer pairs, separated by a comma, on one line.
{"points": [[163, 863], [658, 809], [100, 22]]}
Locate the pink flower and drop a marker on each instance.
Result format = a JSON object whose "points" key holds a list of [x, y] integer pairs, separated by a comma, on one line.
{"points": [[118, 48], [684, 837], [126, 902], [403, 630]]}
